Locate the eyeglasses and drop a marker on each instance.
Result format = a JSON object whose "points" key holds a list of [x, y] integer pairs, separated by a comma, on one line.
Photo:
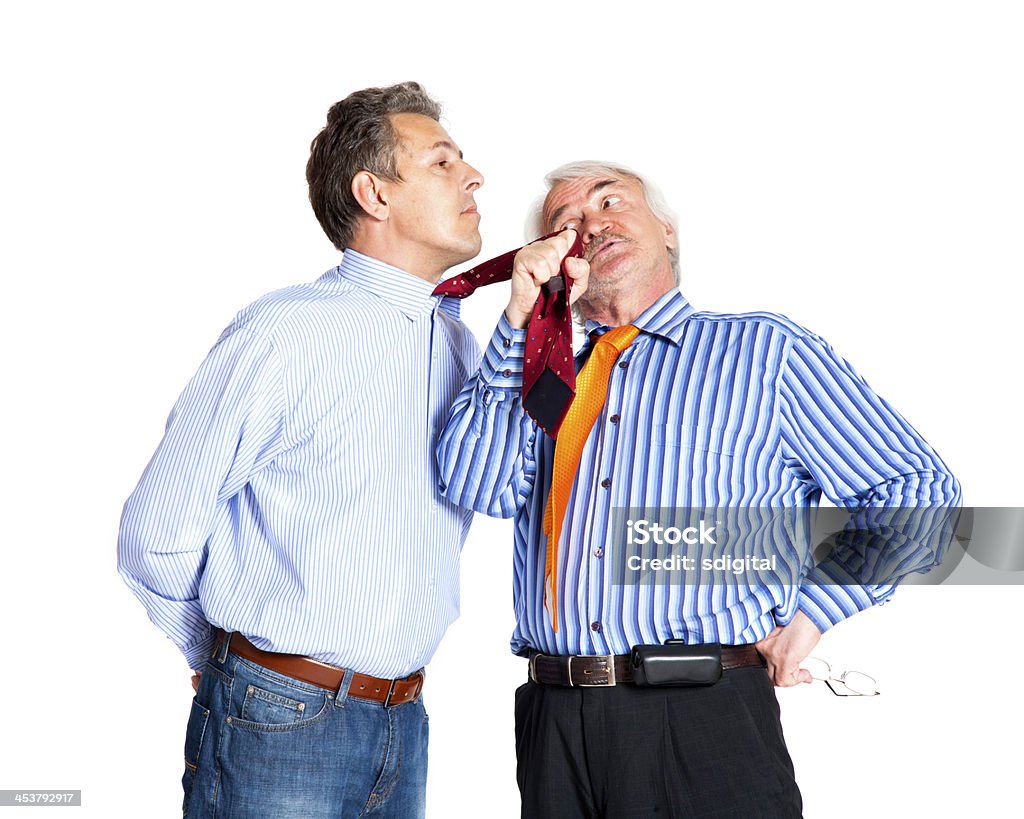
{"points": [[847, 684]]}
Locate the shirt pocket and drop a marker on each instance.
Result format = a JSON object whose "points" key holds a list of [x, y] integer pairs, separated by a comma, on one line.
{"points": [[688, 466], [697, 437]]}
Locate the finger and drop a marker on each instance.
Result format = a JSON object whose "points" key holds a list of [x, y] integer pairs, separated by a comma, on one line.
{"points": [[536, 264], [579, 271], [558, 246], [576, 268], [565, 241], [784, 678], [792, 674], [765, 644]]}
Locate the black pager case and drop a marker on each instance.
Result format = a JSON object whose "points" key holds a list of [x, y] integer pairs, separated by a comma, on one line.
{"points": [[676, 664]]}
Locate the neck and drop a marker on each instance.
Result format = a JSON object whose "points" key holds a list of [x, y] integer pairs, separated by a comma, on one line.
{"points": [[618, 310], [402, 258]]}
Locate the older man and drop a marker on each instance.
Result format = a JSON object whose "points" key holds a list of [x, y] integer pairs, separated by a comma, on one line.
{"points": [[695, 411], [288, 534]]}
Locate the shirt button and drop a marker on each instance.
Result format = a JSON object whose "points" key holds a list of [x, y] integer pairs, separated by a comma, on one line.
{"points": [[598, 552], [606, 483], [614, 419], [623, 365], [595, 626], [507, 343], [507, 373]]}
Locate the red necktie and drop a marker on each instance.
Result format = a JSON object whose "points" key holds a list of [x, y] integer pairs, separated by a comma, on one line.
{"points": [[549, 374]]}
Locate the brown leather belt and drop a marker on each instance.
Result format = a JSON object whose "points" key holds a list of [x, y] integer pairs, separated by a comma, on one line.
{"points": [[604, 670], [314, 672]]}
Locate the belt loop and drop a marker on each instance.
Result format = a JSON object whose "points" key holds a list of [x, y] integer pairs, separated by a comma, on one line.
{"points": [[341, 695], [225, 645]]}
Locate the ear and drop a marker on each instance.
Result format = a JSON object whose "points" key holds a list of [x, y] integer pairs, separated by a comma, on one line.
{"points": [[671, 241], [368, 189]]}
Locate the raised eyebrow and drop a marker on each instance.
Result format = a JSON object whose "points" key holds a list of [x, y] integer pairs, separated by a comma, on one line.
{"points": [[597, 187], [600, 186]]}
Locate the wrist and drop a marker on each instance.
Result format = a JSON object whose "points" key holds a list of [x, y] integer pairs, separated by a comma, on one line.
{"points": [[517, 319]]}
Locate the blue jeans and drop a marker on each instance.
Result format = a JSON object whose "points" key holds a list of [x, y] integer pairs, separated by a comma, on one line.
{"points": [[260, 744]]}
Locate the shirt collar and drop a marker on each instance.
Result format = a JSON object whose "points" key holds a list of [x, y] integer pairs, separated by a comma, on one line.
{"points": [[407, 293], [664, 318]]}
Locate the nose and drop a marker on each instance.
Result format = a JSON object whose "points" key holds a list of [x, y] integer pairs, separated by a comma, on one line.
{"points": [[592, 226], [474, 179]]}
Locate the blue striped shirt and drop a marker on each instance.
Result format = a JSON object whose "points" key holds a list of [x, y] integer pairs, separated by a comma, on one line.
{"points": [[294, 496], [703, 411]]}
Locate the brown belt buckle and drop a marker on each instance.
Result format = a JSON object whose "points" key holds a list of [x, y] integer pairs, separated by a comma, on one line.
{"points": [[609, 662], [418, 691]]}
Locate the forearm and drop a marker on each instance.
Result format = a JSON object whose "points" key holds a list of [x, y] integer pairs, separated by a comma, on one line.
{"points": [[161, 545], [485, 450], [226, 425], [901, 527], [181, 619], [901, 498]]}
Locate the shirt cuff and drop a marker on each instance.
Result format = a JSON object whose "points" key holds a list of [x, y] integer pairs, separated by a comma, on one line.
{"points": [[502, 364], [830, 595], [199, 651]]}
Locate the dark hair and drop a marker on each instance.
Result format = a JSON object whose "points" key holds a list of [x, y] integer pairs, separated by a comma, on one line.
{"points": [[358, 137]]}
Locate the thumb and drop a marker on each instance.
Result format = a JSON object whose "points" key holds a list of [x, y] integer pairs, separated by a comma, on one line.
{"points": [[576, 268], [567, 238]]}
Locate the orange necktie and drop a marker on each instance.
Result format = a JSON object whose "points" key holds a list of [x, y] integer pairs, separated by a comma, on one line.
{"points": [[591, 393]]}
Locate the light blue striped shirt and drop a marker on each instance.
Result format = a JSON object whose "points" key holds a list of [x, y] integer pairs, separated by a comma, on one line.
{"points": [[294, 496], [704, 410]]}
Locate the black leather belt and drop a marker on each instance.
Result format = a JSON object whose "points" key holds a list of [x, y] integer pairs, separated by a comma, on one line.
{"points": [[585, 671]]}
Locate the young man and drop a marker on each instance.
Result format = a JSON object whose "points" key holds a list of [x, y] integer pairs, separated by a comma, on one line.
{"points": [[701, 411], [288, 533]]}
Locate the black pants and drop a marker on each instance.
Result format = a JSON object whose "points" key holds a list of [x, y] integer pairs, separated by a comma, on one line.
{"points": [[715, 751]]}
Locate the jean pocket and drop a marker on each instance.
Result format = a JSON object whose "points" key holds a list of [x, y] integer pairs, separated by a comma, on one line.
{"points": [[270, 708], [194, 734], [269, 703]]}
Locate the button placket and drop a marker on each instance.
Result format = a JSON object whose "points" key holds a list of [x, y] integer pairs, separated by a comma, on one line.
{"points": [[603, 493]]}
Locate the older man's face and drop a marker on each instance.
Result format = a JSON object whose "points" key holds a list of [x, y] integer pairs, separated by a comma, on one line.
{"points": [[626, 244]]}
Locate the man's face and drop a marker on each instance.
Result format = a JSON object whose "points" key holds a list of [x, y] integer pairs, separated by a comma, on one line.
{"points": [[626, 244], [432, 212]]}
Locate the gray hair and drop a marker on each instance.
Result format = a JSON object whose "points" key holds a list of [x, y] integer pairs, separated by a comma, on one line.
{"points": [[574, 170]]}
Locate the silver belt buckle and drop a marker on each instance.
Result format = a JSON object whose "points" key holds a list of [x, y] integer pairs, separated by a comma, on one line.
{"points": [[609, 662], [391, 690]]}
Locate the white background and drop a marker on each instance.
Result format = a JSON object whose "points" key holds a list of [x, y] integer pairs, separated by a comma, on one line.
{"points": [[857, 167]]}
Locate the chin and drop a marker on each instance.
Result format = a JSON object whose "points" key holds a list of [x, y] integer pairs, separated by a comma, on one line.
{"points": [[466, 251], [610, 274]]}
